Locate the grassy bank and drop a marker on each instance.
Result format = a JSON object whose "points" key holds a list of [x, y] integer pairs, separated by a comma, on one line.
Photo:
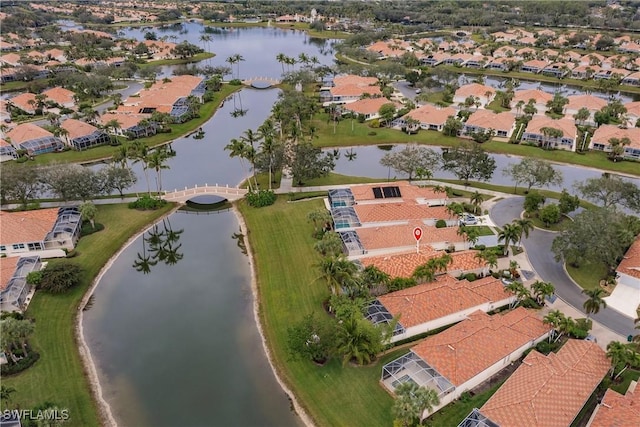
{"points": [[195, 58], [58, 376], [302, 26], [332, 395], [177, 130]]}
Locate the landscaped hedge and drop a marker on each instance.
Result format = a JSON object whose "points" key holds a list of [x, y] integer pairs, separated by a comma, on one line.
{"points": [[147, 203], [24, 363]]}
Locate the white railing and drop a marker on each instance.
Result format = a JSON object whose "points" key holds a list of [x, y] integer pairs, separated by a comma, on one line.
{"points": [[264, 79], [206, 189]]}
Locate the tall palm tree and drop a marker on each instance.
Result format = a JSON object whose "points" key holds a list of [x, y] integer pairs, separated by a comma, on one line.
{"points": [[509, 234], [24, 328], [424, 273], [140, 154], [476, 200], [157, 161], [282, 59], [338, 272], [353, 342], [595, 301], [622, 355], [251, 138], [237, 149], [525, 225], [554, 318], [267, 135]]}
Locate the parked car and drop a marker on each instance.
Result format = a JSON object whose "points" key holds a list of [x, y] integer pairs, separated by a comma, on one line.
{"points": [[418, 91], [468, 219]]}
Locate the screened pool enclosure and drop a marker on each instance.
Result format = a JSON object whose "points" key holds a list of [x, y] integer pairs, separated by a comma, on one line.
{"points": [[86, 141], [377, 313], [43, 145], [411, 368], [345, 217], [341, 197], [351, 243]]}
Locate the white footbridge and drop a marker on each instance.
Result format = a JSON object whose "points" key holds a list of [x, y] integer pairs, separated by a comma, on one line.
{"points": [[181, 196]]}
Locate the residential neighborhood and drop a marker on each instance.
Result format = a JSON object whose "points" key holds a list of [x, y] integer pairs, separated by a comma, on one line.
{"points": [[390, 213]]}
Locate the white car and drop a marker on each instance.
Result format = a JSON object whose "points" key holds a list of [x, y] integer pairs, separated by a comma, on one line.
{"points": [[468, 219]]}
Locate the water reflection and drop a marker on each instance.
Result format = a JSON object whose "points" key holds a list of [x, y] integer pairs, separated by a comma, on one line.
{"points": [[159, 245], [239, 238]]}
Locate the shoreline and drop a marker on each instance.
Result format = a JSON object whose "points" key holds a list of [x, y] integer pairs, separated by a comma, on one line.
{"points": [[104, 409], [299, 410]]}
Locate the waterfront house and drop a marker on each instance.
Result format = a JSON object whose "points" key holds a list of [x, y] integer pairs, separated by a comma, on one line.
{"points": [[82, 135], [39, 230], [430, 306], [616, 409], [627, 290], [7, 151], [368, 107], [431, 117], [540, 99], [536, 127], [129, 124], [590, 102], [467, 354], [13, 281], [602, 135], [25, 102], [34, 139], [65, 98], [503, 124], [483, 93], [546, 391]]}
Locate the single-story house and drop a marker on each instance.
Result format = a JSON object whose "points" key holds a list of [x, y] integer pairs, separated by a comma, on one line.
{"points": [[351, 92], [431, 117], [535, 132], [82, 135], [467, 354], [429, 306], [400, 212], [602, 135], [482, 120], [633, 113], [25, 102], [485, 94], [540, 99], [546, 391], [39, 230], [533, 66], [557, 69], [13, 281], [137, 125], [61, 96], [434, 59], [397, 191], [590, 102], [34, 139], [616, 409], [632, 79], [368, 107]]}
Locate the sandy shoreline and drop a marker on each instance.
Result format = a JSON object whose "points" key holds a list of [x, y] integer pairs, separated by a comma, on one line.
{"points": [[104, 410], [256, 314]]}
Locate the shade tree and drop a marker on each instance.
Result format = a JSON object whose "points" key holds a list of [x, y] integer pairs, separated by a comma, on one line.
{"points": [[533, 172], [411, 159], [468, 160]]}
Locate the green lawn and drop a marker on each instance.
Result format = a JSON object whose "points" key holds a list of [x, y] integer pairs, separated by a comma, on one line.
{"points": [[483, 230], [195, 58], [625, 379], [338, 179], [292, 25], [332, 395], [177, 130], [455, 412], [263, 180], [59, 376], [496, 107], [588, 276], [553, 227]]}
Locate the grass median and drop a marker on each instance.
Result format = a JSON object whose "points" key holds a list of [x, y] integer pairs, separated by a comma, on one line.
{"points": [[59, 376], [288, 290]]}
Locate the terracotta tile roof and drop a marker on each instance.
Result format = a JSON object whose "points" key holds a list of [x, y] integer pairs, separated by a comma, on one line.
{"points": [[540, 96], [351, 79], [617, 410], [630, 263], [4, 143], [474, 89], [430, 114], [538, 63], [445, 296], [164, 94], [368, 105], [592, 103], [11, 59], [473, 345], [633, 108], [488, 119], [399, 211], [566, 125], [77, 128], [393, 236], [126, 120], [408, 191], [60, 95], [549, 390], [604, 133], [404, 264], [7, 268], [22, 101], [27, 226], [354, 90], [27, 132]]}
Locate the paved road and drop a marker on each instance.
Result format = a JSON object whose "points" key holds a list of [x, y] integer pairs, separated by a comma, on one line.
{"points": [[538, 247]]}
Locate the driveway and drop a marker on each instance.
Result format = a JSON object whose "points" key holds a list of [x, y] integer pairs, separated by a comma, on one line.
{"points": [[538, 247]]}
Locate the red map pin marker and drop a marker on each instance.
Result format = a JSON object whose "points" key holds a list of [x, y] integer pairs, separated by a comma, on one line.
{"points": [[417, 233]]}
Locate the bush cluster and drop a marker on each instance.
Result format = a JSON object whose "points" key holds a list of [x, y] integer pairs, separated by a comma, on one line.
{"points": [[261, 198], [235, 82], [441, 223], [147, 203], [22, 364]]}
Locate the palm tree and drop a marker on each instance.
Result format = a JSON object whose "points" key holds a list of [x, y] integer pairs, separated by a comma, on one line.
{"points": [[555, 318], [353, 341], [237, 149], [157, 160], [622, 355], [525, 225], [267, 135], [541, 290], [5, 394], [509, 234], [424, 273], [487, 257], [476, 200], [520, 291], [250, 138], [338, 272], [140, 154], [595, 301], [122, 155], [24, 328], [412, 401], [282, 59], [114, 124], [548, 133]]}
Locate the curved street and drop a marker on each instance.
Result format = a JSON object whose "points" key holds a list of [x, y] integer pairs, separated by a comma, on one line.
{"points": [[538, 250]]}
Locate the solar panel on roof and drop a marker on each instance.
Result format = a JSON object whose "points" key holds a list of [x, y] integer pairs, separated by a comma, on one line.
{"points": [[377, 193], [393, 191]]}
